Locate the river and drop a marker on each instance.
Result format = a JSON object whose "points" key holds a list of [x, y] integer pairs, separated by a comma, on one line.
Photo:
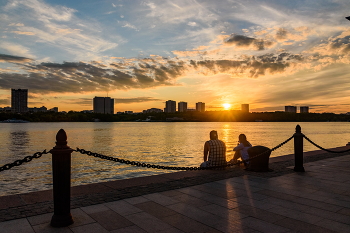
{"points": [[164, 143]]}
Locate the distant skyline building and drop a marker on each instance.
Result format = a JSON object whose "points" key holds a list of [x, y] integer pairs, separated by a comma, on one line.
{"points": [[155, 110], [292, 109], [304, 109], [35, 109], [19, 100], [103, 105], [245, 107], [200, 107], [182, 107], [170, 106], [54, 109]]}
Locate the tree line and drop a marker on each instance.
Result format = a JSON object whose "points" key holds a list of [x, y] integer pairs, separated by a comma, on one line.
{"points": [[208, 116]]}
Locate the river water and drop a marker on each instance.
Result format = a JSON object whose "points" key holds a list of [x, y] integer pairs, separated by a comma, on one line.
{"points": [[163, 143]]}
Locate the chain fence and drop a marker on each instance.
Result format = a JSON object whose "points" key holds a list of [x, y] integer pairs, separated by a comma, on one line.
{"points": [[21, 161], [320, 147], [140, 164]]}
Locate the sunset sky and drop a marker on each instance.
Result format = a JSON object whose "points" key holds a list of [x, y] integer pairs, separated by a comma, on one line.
{"points": [[267, 54]]}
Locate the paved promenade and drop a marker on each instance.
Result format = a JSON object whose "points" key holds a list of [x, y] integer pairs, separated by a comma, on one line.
{"points": [[232, 200]]}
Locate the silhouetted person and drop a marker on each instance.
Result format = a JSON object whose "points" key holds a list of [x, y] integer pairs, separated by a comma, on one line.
{"points": [[241, 150], [214, 151]]}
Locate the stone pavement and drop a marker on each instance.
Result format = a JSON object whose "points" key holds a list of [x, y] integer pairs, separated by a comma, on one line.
{"points": [[233, 200]]}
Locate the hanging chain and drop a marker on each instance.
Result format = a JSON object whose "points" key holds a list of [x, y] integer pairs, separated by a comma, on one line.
{"points": [[21, 161], [330, 151]]}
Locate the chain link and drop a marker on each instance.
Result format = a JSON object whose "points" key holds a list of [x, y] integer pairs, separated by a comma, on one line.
{"points": [[139, 164], [330, 151], [21, 161]]}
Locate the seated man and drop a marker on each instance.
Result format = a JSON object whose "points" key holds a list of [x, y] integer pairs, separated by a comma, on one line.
{"points": [[214, 151]]}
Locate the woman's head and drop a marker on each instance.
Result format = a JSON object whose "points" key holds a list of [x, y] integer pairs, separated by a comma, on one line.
{"points": [[242, 138]]}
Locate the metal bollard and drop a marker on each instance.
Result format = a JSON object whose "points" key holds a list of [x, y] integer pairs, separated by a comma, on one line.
{"points": [[61, 171], [298, 150]]}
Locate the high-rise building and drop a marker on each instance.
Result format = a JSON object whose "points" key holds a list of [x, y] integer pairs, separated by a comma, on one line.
{"points": [[19, 100], [103, 105], [170, 106], [200, 107], [182, 107], [304, 109], [290, 109], [245, 107]]}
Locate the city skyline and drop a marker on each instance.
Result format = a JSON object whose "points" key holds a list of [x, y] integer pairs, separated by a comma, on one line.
{"points": [[142, 53]]}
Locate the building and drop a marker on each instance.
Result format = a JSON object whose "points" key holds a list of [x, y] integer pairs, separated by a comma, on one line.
{"points": [[304, 109], [170, 106], [19, 100], [103, 105], [5, 109], [182, 107], [150, 110], [54, 109], [200, 107], [245, 107], [290, 109], [35, 109]]}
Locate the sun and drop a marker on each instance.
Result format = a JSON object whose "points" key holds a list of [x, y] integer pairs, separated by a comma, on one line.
{"points": [[226, 106]]}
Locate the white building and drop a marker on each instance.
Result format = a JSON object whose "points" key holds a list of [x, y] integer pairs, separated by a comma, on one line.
{"points": [[200, 107], [170, 106], [182, 107], [290, 109]]}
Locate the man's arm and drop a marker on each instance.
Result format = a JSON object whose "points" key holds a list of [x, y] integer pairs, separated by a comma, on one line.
{"points": [[205, 152]]}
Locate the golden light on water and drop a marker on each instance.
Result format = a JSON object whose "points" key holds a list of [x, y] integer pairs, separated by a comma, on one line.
{"points": [[226, 106]]}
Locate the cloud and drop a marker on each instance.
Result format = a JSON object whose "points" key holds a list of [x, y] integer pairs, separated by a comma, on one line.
{"points": [[245, 42], [16, 49], [79, 101], [23, 33], [135, 100], [80, 77], [14, 59], [4, 101], [44, 12]]}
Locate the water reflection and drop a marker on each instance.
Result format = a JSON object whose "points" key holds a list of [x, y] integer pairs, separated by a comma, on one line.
{"points": [[163, 143], [19, 141]]}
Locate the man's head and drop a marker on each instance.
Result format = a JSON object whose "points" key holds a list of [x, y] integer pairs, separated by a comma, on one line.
{"points": [[213, 135]]}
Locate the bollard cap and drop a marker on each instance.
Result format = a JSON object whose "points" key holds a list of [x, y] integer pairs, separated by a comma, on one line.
{"points": [[61, 140], [298, 129]]}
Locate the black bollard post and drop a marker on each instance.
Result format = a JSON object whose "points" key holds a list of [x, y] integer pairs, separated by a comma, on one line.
{"points": [[298, 150], [61, 170]]}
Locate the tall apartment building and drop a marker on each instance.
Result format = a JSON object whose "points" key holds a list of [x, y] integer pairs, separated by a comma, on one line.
{"points": [[245, 107], [19, 100], [182, 107], [200, 107], [304, 109], [170, 106], [290, 109], [103, 105]]}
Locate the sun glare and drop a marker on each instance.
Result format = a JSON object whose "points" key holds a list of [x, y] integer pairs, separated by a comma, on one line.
{"points": [[226, 106]]}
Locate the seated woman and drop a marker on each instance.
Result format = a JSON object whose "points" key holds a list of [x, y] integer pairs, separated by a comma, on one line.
{"points": [[241, 150]]}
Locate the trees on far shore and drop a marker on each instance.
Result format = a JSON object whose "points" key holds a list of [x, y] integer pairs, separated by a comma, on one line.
{"points": [[208, 116]]}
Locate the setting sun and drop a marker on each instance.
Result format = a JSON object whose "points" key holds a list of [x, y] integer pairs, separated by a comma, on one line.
{"points": [[226, 106]]}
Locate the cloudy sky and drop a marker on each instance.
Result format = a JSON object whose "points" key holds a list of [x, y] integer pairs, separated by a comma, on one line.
{"points": [[141, 53]]}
